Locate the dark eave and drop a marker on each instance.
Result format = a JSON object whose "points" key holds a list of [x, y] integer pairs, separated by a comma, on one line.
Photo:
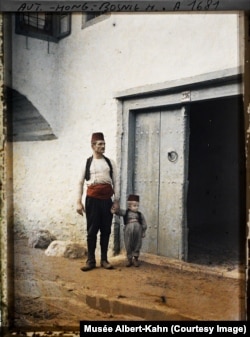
{"points": [[24, 121]]}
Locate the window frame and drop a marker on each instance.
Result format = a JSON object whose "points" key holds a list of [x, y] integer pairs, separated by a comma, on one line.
{"points": [[52, 30]]}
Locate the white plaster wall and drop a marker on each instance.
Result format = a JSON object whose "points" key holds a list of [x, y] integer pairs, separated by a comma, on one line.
{"points": [[35, 75], [73, 87]]}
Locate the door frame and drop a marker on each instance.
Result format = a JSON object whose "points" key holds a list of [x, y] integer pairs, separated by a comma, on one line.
{"points": [[182, 93]]}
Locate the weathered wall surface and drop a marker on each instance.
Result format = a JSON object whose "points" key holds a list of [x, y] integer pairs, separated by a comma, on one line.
{"points": [[72, 84]]}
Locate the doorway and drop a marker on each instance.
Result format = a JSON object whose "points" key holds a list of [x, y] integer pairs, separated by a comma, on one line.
{"points": [[216, 197], [188, 169]]}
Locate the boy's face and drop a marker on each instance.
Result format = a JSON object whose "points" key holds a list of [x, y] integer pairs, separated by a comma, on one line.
{"points": [[133, 206]]}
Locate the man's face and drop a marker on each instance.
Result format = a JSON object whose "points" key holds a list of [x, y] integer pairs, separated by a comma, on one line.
{"points": [[99, 146]]}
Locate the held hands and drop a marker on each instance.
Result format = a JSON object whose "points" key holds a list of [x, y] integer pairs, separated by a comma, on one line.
{"points": [[115, 207]]}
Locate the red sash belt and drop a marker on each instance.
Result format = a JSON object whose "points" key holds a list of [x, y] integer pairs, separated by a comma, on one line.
{"points": [[100, 191]]}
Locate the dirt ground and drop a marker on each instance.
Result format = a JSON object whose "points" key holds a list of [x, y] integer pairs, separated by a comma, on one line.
{"points": [[53, 293]]}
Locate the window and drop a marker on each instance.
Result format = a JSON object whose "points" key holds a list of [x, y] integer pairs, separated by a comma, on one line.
{"points": [[44, 26], [92, 18], [92, 15]]}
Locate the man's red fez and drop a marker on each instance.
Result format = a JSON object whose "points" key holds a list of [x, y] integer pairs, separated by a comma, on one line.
{"points": [[133, 197], [97, 136]]}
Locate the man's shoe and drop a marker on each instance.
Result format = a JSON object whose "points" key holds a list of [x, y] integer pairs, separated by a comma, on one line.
{"points": [[129, 263], [106, 265], [136, 262], [88, 267]]}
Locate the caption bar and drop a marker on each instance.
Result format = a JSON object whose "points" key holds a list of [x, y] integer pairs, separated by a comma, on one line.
{"points": [[171, 328], [123, 6]]}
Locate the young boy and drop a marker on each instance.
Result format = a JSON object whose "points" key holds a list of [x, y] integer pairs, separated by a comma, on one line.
{"points": [[135, 227]]}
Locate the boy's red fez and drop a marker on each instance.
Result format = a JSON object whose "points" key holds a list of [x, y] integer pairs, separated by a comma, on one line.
{"points": [[97, 136], [133, 197]]}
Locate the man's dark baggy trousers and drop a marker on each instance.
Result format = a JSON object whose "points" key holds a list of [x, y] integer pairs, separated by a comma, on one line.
{"points": [[99, 217]]}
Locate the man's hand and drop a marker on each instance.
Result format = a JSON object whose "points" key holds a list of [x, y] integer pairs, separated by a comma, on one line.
{"points": [[80, 208]]}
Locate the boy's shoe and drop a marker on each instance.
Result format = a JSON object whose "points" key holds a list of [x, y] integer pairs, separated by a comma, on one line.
{"points": [[88, 266], [136, 262], [106, 265], [129, 263]]}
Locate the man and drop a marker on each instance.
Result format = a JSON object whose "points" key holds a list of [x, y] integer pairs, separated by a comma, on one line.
{"points": [[100, 175]]}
